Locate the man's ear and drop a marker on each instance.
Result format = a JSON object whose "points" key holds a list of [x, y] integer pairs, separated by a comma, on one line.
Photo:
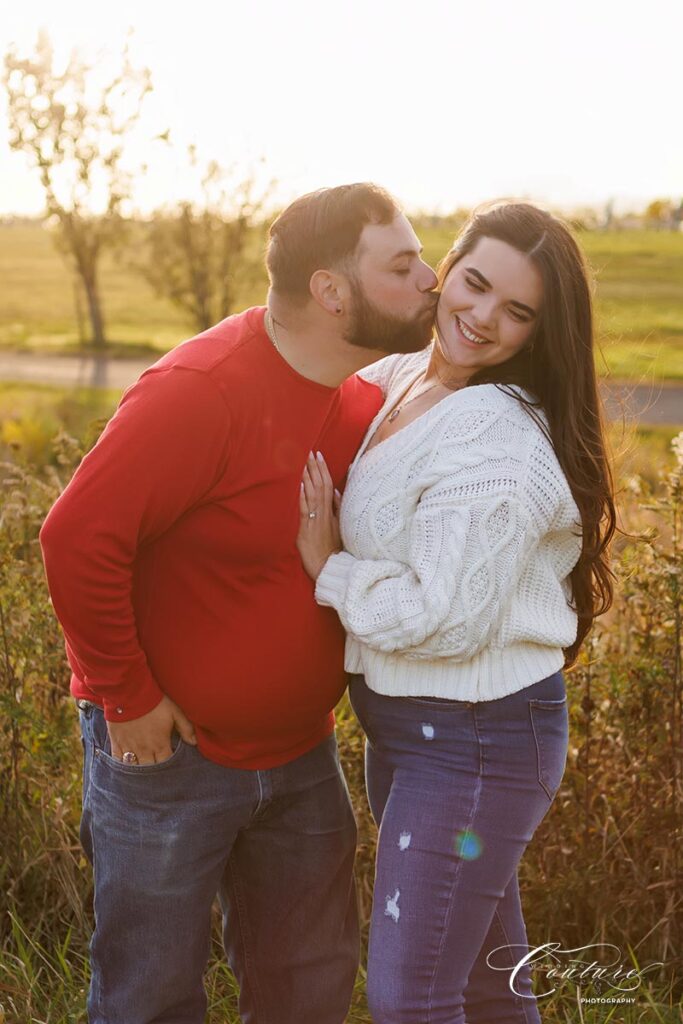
{"points": [[330, 291]]}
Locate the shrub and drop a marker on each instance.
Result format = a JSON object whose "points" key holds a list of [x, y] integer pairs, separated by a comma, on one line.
{"points": [[606, 865]]}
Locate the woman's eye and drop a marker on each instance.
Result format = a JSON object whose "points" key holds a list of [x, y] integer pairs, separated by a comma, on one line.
{"points": [[519, 317], [473, 284], [402, 273]]}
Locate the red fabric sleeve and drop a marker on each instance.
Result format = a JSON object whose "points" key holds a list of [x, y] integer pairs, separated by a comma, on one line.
{"points": [[162, 451]]}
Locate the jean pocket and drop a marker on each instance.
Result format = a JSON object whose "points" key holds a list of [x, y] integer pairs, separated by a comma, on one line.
{"points": [[104, 756], [438, 703], [550, 727]]}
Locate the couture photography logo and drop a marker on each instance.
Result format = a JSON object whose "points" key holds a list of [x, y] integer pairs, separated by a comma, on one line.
{"points": [[599, 971]]}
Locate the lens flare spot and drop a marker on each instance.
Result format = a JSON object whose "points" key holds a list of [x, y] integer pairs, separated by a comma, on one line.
{"points": [[404, 840], [468, 845], [428, 731]]}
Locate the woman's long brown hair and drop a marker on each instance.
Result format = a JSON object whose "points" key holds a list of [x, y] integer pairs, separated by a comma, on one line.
{"points": [[558, 369]]}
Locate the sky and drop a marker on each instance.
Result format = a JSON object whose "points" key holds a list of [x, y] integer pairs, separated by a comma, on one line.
{"points": [[445, 104]]}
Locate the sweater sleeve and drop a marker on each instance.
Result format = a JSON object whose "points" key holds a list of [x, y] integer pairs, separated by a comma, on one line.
{"points": [[465, 552], [159, 455], [381, 372]]}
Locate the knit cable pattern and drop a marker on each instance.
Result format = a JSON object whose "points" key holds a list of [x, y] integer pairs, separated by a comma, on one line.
{"points": [[459, 531]]}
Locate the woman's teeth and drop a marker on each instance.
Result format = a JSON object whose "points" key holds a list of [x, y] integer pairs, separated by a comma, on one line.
{"points": [[469, 335]]}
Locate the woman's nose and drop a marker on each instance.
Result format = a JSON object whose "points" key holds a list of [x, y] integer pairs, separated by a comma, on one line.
{"points": [[484, 315]]}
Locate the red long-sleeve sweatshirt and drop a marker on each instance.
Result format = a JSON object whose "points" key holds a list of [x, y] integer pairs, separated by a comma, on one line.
{"points": [[171, 555]]}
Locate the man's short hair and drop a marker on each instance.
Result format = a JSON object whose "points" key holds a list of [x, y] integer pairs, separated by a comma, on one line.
{"points": [[319, 231]]}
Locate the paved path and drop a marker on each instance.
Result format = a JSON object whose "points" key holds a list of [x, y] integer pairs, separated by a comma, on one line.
{"points": [[649, 404], [72, 371]]}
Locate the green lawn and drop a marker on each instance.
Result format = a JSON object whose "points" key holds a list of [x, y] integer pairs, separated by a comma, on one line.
{"points": [[639, 299]]}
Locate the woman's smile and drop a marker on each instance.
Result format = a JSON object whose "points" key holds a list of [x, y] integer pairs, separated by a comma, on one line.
{"points": [[488, 306], [468, 334]]}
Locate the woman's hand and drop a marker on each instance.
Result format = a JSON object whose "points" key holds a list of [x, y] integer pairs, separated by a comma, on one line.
{"points": [[319, 535]]}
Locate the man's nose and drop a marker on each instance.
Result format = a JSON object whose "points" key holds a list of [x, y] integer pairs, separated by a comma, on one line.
{"points": [[428, 279]]}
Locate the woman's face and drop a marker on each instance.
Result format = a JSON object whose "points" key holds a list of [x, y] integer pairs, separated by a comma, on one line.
{"points": [[489, 306]]}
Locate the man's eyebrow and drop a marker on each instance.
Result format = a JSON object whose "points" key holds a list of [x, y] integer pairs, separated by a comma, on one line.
{"points": [[487, 284], [407, 252]]}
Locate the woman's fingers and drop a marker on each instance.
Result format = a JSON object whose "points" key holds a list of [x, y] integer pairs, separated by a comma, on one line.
{"points": [[328, 485], [318, 536], [310, 491], [314, 470], [320, 486]]}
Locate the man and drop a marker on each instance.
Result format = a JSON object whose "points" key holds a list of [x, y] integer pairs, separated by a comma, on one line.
{"points": [[205, 672]]}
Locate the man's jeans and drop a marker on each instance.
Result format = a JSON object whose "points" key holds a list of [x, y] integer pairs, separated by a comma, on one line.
{"points": [[459, 788], [277, 845]]}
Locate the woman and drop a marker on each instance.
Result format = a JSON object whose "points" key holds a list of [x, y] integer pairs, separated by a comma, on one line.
{"points": [[475, 523]]}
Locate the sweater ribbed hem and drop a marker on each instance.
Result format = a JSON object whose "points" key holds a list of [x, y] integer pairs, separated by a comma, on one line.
{"points": [[488, 676]]}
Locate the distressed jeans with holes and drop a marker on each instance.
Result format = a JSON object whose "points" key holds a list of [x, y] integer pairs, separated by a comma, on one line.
{"points": [[458, 789], [277, 846]]}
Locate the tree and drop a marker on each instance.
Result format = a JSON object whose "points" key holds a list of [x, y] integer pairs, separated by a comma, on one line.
{"points": [[659, 212], [72, 126], [201, 254]]}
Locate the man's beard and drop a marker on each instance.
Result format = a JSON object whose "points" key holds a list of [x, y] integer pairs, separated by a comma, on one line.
{"points": [[370, 328]]}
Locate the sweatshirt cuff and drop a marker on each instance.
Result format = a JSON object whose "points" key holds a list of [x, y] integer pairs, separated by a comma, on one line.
{"points": [[133, 701], [331, 585]]}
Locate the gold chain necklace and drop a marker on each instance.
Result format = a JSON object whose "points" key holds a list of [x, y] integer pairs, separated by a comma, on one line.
{"points": [[407, 400], [269, 325]]}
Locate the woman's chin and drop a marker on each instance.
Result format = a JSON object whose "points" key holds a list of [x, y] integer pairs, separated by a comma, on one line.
{"points": [[460, 356]]}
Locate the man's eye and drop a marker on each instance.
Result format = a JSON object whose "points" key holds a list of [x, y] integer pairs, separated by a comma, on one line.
{"points": [[403, 272], [473, 284]]}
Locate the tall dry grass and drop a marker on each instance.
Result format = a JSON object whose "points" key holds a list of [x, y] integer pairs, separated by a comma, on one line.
{"points": [[606, 865]]}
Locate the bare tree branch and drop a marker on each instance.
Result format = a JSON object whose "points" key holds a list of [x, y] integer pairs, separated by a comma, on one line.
{"points": [[199, 254], [73, 132]]}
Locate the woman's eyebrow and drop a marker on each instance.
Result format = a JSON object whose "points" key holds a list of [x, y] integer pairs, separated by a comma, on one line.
{"points": [[478, 274], [487, 284], [521, 305]]}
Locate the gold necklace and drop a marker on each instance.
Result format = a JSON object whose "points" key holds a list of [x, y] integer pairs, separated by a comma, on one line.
{"points": [[407, 400], [269, 324]]}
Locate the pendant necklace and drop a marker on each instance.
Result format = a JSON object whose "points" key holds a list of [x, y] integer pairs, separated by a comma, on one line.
{"points": [[394, 412]]}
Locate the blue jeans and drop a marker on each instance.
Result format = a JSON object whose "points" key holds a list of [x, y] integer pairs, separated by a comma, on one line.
{"points": [[276, 845], [458, 789]]}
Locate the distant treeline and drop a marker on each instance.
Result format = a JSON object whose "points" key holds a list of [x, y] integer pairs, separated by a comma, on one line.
{"points": [[659, 214]]}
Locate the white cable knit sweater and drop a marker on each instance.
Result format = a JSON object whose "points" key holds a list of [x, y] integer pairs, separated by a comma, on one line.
{"points": [[460, 532]]}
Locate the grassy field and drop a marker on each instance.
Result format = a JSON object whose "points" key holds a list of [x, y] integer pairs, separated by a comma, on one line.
{"points": [[639, 299], [605, 866], [32, 414]]}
